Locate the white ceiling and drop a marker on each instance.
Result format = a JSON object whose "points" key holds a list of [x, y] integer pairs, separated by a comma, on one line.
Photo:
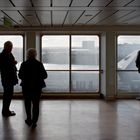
{"points": [[70, 12]]}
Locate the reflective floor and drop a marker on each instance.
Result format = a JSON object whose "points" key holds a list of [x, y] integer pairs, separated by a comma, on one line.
{"points": [[75, 120]]}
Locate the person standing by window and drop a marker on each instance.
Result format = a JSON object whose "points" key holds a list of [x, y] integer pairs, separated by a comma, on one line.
{"points": [[8, 77], [137, 61], [32, 74]]}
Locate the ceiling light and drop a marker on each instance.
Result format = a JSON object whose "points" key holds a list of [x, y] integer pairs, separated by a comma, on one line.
{"points": [[29, 15], [88, 15]]}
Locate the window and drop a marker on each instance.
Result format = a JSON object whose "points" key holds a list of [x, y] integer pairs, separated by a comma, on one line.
{"points": [[72, 63], [55, 57], [128, 78], [85, 63], [17, 51]]}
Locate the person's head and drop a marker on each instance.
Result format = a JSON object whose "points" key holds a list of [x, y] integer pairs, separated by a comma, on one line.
{"points": [[8, 45], [31, 53]]}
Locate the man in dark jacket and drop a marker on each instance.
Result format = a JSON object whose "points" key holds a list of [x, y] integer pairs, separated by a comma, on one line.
{"points": [[138, 61], [8, 77], [32, 75]]}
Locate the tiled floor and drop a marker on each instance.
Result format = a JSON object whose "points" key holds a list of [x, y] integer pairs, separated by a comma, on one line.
{"points": [[75, 120]]}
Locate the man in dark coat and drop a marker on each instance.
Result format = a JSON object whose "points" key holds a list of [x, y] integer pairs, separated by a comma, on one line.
{"points": [[8, 77], [32, 75], [138, 61]]}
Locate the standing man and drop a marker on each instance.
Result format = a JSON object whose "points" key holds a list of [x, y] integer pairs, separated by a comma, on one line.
{"points": [[32, 74], [8, 77], [137, 61]]}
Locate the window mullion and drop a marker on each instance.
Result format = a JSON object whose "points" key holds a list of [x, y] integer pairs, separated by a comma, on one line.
{"points": [[70, 78]]}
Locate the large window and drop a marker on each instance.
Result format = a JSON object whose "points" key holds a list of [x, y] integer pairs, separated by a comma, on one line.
{"points": [[128, 78], [55, 57], [85, 63], [17, 51], [72, 63]]}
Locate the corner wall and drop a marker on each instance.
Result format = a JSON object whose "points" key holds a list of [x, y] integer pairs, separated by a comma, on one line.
{"points": [[108, 65]]}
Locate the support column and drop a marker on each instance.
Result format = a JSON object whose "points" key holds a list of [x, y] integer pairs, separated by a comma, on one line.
{"points": [[32, 40], [108, 65]]}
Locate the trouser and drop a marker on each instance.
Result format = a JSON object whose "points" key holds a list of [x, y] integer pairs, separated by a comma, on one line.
{"points": [[7, 97], [31, 102]]}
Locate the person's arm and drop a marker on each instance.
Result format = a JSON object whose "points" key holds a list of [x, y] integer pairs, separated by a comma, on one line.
{"points": [[13, 59], [0, 62], [44, 73], [138, 60], [20, 74]]}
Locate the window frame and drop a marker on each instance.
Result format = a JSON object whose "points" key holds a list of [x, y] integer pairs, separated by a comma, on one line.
{"points": [[70, 70], [121, 93]]}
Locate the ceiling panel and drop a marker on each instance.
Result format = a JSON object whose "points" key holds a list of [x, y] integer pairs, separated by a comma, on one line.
{"points": [[86, 17], [58, 17], [80, 2], [21, 2], [71, 12], [99, 2], [1, 18], [61, 2], [129, 17], [72, 17], [135, 21], [1, 22], [1, 15], [30, 16], [41, 3], [5, 3], [134, 3], [103, 15], [17, 17], [44, 17], [119, 2], [114, 18]]}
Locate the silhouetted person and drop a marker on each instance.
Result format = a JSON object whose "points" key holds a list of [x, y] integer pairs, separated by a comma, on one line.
{"points": [[32, 75], [138, 61], [8, 77], [138, 66]]}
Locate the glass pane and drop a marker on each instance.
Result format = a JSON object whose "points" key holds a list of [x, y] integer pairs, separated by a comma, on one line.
{"points": [[55, 52], [85, 52], [128, 47], [85, 81], [128, 81], [17, 88], [17, 51], [57, 81]]}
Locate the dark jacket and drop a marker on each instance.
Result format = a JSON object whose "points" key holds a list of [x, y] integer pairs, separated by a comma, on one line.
{"points": [[8, 69], [138, 61], [32, 74]]}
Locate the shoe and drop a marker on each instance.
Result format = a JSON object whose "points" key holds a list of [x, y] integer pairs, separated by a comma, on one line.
{"points": [[28, 122], [8, 114], [34, 125]]}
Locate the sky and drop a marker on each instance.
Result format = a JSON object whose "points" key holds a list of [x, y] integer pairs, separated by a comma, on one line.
{"points": [[129, 39], [63, 40], [17, 40]]}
